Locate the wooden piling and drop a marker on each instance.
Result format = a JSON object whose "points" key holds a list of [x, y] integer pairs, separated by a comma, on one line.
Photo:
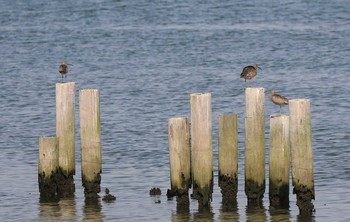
{"points": [[180, 159], [301, 148], [202, 148], [279, 161], [255, 145], [65, 131], [48, 166], [228, 159], [90, 134]]}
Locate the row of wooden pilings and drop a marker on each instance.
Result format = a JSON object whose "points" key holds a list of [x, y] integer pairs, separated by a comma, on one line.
{"points": [[56, 166], [191, 153]]}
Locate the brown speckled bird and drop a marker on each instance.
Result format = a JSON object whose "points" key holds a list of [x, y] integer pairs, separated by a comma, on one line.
{"points": [[63, 69], [249, 72], [278, 99]]}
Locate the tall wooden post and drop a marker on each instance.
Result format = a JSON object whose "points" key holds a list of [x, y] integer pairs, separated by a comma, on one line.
{"points": [[202, 148], [255, 145], [48, 166], [90, 133], [228, 159], [180, 159], [65, 131], [279, 161], [302, 162]]}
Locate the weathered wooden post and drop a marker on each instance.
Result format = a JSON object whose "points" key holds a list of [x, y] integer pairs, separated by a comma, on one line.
{"points": [[302, 162], [65, 131], [48, 166], [279, 167], [180, 159], [202, 148], [90, 133], [228, 159], [255, 145]]}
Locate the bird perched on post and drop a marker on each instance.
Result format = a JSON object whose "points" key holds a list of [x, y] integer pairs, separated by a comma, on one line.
{"points": [[278, 99], [249, 72], [63, 69]]}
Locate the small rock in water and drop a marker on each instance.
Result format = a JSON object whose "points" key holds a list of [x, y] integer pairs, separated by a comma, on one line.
{"points": [[157, 202], [155, 191]]}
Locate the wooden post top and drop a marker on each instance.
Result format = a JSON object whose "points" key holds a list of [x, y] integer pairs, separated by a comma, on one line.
{"points": [[198, 94]]}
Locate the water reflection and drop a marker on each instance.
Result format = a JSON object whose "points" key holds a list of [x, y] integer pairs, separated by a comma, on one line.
{"points": [[279, 214], [65, 209], [48, 209], [203, 214], [229, 210], [182, 213], [306, 218], [57, 209], [256, 212], [92, 210]]}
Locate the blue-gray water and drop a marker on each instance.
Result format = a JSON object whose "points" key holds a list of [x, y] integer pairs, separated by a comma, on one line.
{"points": [[146, 58]]}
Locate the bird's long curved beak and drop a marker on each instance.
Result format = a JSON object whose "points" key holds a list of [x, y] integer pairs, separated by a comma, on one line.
{"points": [[259, 68]]}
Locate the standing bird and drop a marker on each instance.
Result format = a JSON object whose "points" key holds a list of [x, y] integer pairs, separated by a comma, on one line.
{"points": [[63, 69], [249, 72], [278, 99]]}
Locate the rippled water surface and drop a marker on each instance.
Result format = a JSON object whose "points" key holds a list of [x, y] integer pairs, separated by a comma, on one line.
{"points": [[146, 58]]}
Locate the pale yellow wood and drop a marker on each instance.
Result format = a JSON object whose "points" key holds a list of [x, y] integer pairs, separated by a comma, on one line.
{"points": [[90, 133], [228, 145], [255, 136], [201, 140], [279, 166], [65, 126], [179, 153], [301, 143], [48, 156]]}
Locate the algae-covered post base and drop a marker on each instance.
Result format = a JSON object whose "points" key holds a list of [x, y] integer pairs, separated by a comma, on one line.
{"points": [[279, 161], [48, 166], [228, 161], [180, 159], [65, 131], [255, 145], [202, 148], [90, 134], [301, 148], [182, 200], [65, 183], [92, 186]]}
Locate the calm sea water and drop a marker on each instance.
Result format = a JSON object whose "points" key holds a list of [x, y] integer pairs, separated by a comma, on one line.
{"points": [[146, 58]]}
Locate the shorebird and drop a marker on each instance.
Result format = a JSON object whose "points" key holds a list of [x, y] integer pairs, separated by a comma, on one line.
{"points": [[278, 99], [63, 69], [249, 72]]}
